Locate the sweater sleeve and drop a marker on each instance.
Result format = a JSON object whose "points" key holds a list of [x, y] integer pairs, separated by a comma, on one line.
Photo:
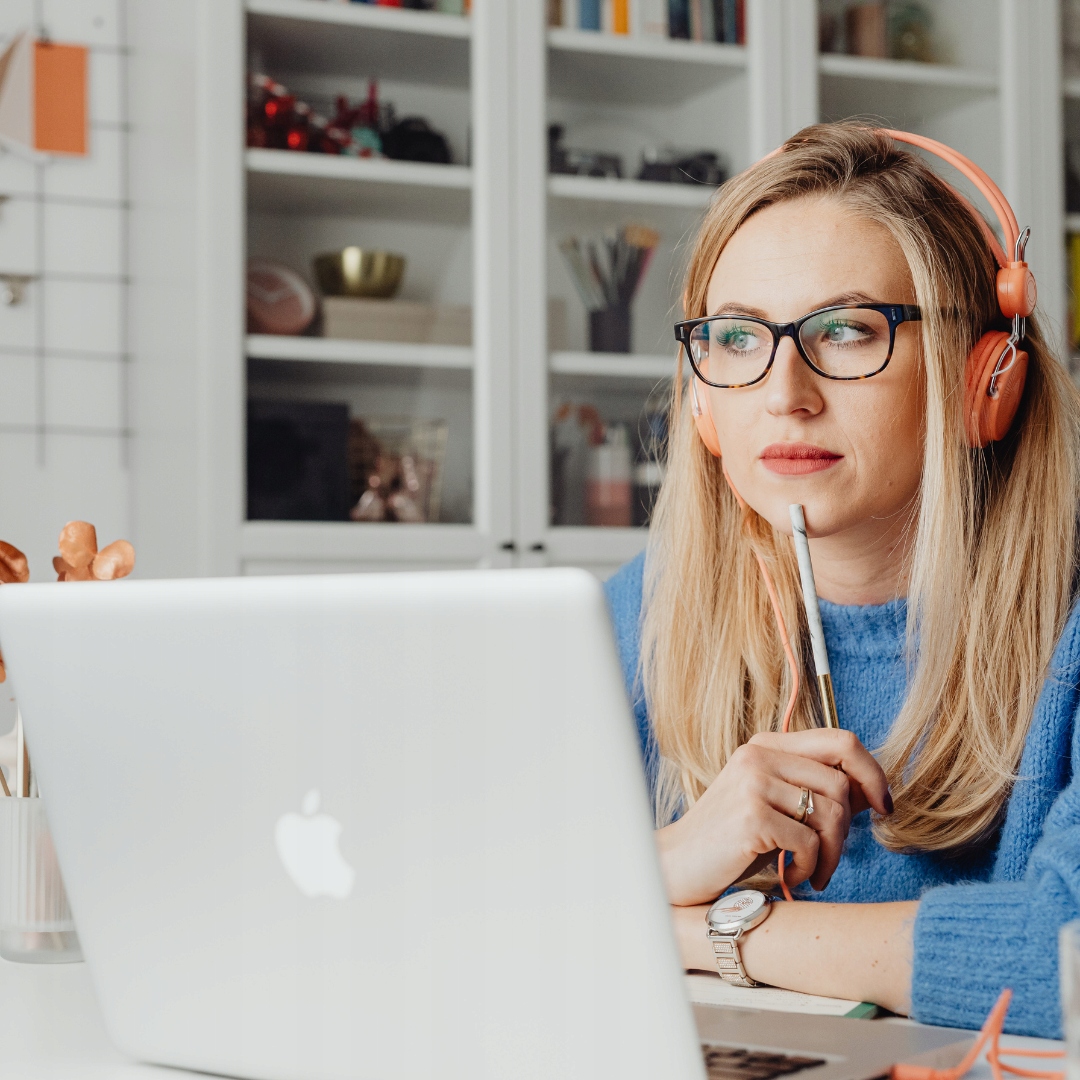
{"points": [[623, 590], [973, 940]]}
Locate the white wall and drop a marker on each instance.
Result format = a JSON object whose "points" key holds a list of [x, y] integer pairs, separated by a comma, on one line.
{"points": [[64, 426]]}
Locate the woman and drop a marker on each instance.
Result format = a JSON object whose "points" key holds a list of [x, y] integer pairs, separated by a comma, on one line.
{"points": [[945, 850]]}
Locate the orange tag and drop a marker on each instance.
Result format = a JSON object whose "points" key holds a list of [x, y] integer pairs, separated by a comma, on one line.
{"points": [[60, 119]]}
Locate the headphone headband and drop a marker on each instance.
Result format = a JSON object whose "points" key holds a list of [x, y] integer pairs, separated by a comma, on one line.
{"points": [[993, 194]]}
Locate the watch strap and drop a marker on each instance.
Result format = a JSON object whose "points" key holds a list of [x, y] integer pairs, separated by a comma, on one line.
{"points": [[729, 960]]}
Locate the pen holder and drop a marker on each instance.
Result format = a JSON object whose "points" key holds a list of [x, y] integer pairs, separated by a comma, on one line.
{"points": [[35, 920], [609, 329]]}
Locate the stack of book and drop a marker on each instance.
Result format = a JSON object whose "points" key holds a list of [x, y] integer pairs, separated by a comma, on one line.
{"points": [[694, 20]]}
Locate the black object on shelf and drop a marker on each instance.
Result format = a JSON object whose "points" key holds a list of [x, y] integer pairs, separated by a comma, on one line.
{"points": [[414, 139], [609, 329], [575, 162], [297, 455], [704, 167]]}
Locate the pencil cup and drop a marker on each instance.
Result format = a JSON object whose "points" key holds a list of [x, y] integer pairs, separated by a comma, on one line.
{"points": [[35, 920], [1069, 968], [609, 330]]}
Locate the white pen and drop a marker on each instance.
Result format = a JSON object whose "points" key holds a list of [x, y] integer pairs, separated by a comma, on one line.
{"points": [[813, 616]]}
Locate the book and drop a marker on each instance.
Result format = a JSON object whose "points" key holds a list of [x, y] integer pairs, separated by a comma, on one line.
{"points": [[620, 16], [589, 14], [697, 20], [679, 18], [706, 989], [731, 34]]}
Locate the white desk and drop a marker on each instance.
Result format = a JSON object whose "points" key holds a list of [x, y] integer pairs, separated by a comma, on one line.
{"points": [[51, 1029]]}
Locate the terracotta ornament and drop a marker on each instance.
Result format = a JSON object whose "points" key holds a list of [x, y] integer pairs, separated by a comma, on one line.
{"points": [[80, 560]]}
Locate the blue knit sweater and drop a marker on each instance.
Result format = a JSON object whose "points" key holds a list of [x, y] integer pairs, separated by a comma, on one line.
{"points": [[986, 920]]}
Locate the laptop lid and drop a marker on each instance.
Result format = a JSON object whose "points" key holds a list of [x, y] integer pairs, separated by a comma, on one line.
{"points": [[385, 826]]}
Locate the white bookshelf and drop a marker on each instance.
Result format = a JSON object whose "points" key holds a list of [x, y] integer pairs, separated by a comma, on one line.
{"points": [[309, 546], [613, 365], [483, 232], [906, 73], [283, 181], [320, 350], [636, 192], [304, 24]]}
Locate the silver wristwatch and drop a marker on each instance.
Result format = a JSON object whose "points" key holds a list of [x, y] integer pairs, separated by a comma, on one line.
{"points": [[728, 919]]}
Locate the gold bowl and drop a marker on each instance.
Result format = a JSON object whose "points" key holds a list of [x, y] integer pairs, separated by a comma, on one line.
{"points": [[357, 271]]}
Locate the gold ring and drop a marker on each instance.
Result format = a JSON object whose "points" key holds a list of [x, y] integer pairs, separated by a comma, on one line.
{"points": [[804, 805]]}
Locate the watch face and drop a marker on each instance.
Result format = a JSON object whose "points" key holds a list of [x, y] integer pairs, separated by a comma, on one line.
{"points": [[738, 910]]}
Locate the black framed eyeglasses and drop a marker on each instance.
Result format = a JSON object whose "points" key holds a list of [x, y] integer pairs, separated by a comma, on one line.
{"points": [[845, 341]]}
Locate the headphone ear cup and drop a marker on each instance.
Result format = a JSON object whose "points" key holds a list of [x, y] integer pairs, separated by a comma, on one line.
{"points": [[702, 410], [988, 419]]}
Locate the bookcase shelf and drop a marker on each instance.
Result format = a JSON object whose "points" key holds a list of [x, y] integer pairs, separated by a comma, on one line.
{"points": [[624, 70], [639, 192], [907, 73], [287, 181], [320, 350], [296, 546], [649, 369], [341, 39], [909, 92]]}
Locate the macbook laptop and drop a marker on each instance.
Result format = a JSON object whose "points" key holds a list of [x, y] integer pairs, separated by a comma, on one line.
{"points": [[375, 826]]}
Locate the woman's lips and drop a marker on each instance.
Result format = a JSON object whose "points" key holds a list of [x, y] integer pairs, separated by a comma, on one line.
{"points": [[797, 459]]}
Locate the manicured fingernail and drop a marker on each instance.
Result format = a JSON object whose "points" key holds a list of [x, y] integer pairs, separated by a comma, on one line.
{"points": [[888, 801]]}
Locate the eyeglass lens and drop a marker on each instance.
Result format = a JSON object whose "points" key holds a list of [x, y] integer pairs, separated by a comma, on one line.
{"points": [[843, 342]]}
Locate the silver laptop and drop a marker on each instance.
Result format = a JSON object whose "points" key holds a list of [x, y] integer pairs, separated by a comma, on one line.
{"points": [[379, 826]]}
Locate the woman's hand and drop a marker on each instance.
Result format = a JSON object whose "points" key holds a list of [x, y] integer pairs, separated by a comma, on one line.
{"points": [[747, 813]]}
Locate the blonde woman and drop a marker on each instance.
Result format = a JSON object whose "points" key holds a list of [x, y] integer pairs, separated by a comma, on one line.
{"points": [[945, 850]]}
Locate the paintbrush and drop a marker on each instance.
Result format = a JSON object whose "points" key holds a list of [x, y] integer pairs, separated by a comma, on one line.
{"points": [[22, 760]]}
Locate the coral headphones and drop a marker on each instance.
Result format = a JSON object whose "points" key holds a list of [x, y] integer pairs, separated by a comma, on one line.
{"points": [[996, 367]]}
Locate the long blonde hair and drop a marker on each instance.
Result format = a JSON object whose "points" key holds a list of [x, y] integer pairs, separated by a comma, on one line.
{"points": [[992, 543]]}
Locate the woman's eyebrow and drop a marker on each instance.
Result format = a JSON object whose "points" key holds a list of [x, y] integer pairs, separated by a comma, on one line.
{"points": [[733, 307]]}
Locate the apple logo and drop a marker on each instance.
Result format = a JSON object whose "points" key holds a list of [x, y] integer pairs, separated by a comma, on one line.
{"points": [[307, 845]]}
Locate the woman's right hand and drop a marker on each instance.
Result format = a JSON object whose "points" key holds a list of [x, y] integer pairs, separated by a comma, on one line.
{"points": [[747, 813]]}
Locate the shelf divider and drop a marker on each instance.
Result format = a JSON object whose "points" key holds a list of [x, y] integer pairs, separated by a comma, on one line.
{"points": [[340, 351], [641, 192], [906, 71], [350, 541], [362, 170], [613, 365], [429, 23], [602, 44]]}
